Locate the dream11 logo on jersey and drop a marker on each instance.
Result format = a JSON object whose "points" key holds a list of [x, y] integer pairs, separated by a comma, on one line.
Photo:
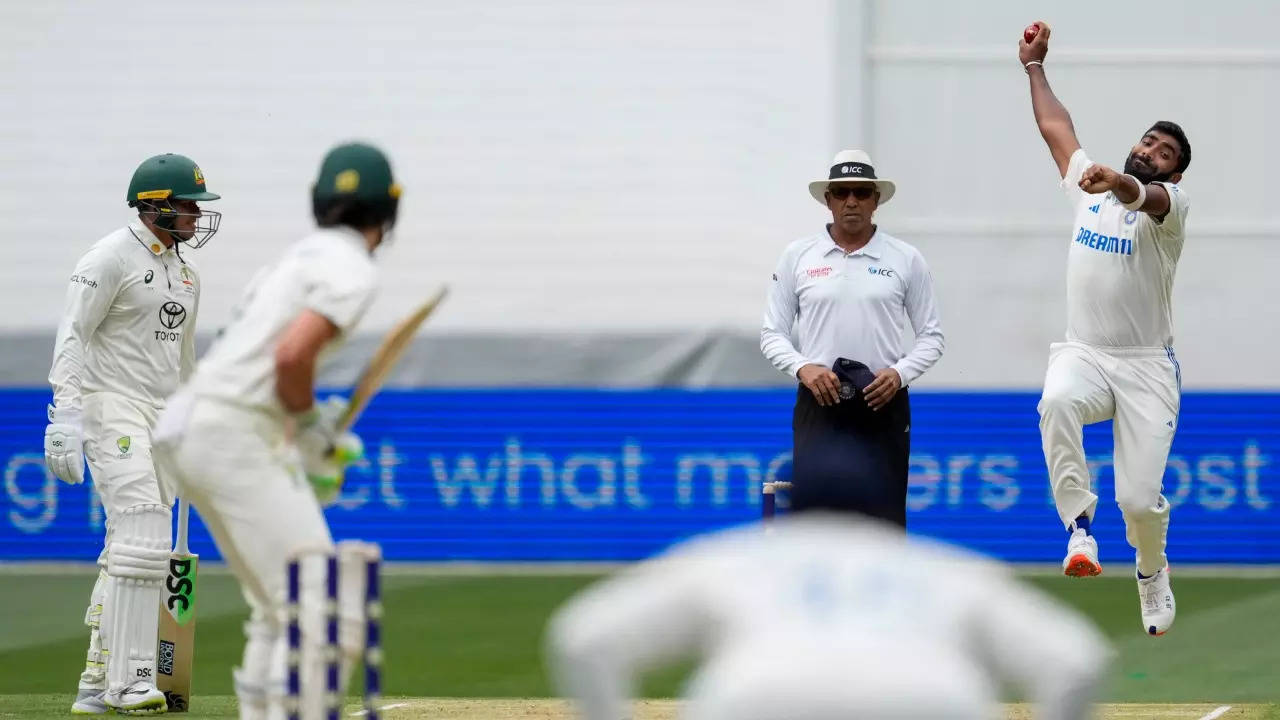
{"points": [[172, 315]]}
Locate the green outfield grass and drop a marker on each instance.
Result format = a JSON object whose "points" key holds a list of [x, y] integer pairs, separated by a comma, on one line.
{"points": [[460, 636], [223, 707]]}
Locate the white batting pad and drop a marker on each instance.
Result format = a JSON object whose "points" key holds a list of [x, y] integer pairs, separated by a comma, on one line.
{"points": [[137, 562], [95, 673]]}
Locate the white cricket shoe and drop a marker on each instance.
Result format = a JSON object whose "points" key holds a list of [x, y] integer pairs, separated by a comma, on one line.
{"points": [[89, 702], [1082, 556], [1157, 602], [139, 698]]}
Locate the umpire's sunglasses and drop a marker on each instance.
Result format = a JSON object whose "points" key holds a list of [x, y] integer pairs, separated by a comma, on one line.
{"points": [[861, 192]]}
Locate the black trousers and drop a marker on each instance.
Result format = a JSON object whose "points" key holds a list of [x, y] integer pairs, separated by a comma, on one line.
{"points": [[845, 456]]}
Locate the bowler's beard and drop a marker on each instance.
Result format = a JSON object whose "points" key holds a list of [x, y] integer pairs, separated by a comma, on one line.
{"points": [[1143, 172]]}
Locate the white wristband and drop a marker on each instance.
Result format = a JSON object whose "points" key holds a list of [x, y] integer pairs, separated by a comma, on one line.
{"points": [[1142, 195], [1027, 68]]}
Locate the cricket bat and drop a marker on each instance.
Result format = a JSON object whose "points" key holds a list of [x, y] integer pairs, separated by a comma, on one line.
{"points": [[175, 651], [385, 359]]}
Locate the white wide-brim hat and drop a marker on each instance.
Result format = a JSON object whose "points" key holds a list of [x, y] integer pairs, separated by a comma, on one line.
{"points": [[852, 166]]}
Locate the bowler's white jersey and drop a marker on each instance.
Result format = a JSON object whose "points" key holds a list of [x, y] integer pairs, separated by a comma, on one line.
{"points": [[1121, 265], [329, 272], [128, 323], [828, 616]]}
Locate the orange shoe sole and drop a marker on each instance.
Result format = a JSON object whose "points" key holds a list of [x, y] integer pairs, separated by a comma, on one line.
{"points": [[1081, 566]]}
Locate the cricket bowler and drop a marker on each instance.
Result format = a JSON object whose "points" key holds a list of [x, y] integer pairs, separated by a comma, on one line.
{"points": [[1117, 361], [126, 339], [252, 450]]}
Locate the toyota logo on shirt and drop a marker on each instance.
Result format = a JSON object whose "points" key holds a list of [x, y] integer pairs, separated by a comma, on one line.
{"points": [[172, 315]]}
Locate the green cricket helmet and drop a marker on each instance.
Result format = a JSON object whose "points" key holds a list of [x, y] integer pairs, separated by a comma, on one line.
{"points": [[355, 187], [160, 180]]}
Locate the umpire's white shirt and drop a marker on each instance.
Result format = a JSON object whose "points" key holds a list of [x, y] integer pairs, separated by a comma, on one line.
{"points": [[329, 272], [1121, 265], [128, 323], [853, 305], [828, 616]]}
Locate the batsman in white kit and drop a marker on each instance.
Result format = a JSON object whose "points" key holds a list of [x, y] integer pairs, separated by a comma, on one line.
{"points": [[831, 615], [250, 448], [126, 339], [1117, 361]]}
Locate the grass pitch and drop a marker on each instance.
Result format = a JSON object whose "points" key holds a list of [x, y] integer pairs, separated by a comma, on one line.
{"points": [[42, 707], [479, 637]]}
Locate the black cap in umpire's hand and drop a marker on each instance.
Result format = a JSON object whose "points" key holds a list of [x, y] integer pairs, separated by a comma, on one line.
{"points": [[854, 378]]}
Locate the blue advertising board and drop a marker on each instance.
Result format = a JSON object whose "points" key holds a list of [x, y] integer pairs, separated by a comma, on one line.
{"points": [[595, 475]]}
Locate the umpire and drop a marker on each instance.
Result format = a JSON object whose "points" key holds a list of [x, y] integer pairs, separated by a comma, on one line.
{"points": [[844, 295]]}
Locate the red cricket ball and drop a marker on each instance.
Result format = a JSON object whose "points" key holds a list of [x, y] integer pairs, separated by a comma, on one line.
{"points": [[1030, 33]]}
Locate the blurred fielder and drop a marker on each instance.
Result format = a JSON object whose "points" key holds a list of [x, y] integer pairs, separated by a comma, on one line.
{"points": [[831, 615], [249, 447], [126, 339], [1117, 361]]}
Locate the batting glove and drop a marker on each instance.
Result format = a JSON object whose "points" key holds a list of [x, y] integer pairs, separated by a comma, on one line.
{"points": [[64, 445], [325, 451]]}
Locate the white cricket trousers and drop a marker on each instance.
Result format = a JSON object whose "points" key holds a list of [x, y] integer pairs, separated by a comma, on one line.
{"points": [[237, 469], [117, 448], [1140, 388]]}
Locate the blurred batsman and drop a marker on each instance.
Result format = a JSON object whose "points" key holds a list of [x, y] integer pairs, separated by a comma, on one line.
{"points": [[833, 615], [127, 338], [252, 450], [835, 317], [1117, 362]]}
